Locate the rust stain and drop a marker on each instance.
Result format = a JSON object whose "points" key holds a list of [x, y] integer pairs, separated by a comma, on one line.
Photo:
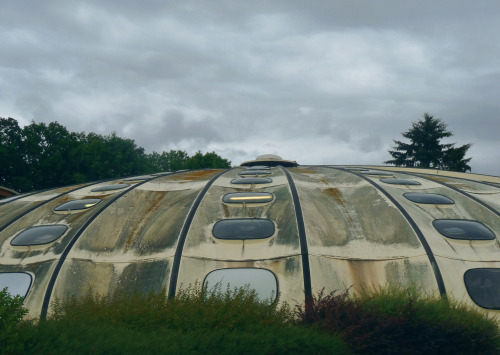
{"points": [[438, 178], [225, 210], [335, 193], [194, 175], [324, 180], [150, 210], [308, 171]]}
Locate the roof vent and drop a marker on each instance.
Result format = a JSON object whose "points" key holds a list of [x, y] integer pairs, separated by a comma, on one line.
{"points": [[270, 160]]}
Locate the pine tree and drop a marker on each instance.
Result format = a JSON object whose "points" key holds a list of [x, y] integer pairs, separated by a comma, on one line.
{"points": [[425, 149]]}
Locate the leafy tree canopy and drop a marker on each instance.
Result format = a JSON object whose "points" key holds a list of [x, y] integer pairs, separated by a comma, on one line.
{"points": [[425, 149], [41, 155]]}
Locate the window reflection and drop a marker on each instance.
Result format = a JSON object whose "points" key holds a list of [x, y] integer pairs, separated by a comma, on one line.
{"points": [[17, 283], [483, 286], [262, 281]]}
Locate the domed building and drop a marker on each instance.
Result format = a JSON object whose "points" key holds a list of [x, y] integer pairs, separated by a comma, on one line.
{"points": [[287, 231]]}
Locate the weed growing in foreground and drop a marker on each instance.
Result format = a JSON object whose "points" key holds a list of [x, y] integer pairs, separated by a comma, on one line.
{"points": [[392, 321], [11, 315]]}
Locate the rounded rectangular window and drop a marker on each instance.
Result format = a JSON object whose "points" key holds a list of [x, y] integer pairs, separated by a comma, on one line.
{"points": [[254, 172], [463, 229], [483, 286], [110, 187], [243, 228], [251, 181], [247, 197], [400, 181], [137, 178], [77, 205], [39, 235], [376, 172], [263, 281], [259, 167], [17, 283], [428, 199]]}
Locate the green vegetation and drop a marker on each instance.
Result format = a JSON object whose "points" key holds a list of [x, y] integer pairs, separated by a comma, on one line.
{"points": [[40, 156], [235, 321], [397, 321], [425, 149]]}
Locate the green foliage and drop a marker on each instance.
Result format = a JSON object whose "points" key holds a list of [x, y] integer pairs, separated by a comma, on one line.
{"points": [[11, 315], [393, 321], [195, 321], [425, 149], [43, 155]]}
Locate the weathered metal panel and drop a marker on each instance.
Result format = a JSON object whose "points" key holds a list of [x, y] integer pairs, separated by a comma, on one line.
{"points": [[346, 217], [130, 245], [464, 208], [334, 274], [11, 210], [201, 243]]}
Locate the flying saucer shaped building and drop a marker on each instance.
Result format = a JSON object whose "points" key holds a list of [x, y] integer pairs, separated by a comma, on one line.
{"points": [[288, 231]]}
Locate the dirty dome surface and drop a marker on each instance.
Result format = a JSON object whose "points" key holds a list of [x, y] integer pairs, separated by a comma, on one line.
{"points": [[287, 231]]}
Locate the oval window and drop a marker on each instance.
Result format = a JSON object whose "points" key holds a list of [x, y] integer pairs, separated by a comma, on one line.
{"points": [[17, 283], [483, 286], [463, 229], [248, 197], [77, 205], [110, 187], [376, 172], [138, 178], [431, 199], [39, 235], [254, 172], [263, 281], [259, 167], [251, 181], [400, 181], [243, 228]]}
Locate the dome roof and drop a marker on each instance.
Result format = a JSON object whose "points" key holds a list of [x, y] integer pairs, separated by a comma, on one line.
{"points": [[287, 231]]}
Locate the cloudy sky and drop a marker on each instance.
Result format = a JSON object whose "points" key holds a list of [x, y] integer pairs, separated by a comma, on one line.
{"points": [[319, 82]]}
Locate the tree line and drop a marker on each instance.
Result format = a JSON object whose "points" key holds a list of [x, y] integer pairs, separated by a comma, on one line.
{"points": [[40, 155]]}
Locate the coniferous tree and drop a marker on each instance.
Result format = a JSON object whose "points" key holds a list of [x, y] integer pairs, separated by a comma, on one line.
{"points": [[425, 149]]}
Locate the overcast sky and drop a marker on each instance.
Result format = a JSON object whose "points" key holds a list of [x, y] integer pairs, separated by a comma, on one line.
{"points": [[319, 82]]}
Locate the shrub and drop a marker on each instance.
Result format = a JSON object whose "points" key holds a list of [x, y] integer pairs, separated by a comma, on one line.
{"points": [[390, 321], [11, 315]]}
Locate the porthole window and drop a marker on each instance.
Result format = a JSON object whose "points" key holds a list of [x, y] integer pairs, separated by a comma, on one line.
{"points": [[254, 172], [263, 281], [483, 286], [259, 167], [137, 178], [400, 181], [248, 197], [425, 198], [357, 169], [463, 229], [39, 235], [17, 283], [77, 205], [376, 172], [243, 228], [110, 187], [251, 181]]}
